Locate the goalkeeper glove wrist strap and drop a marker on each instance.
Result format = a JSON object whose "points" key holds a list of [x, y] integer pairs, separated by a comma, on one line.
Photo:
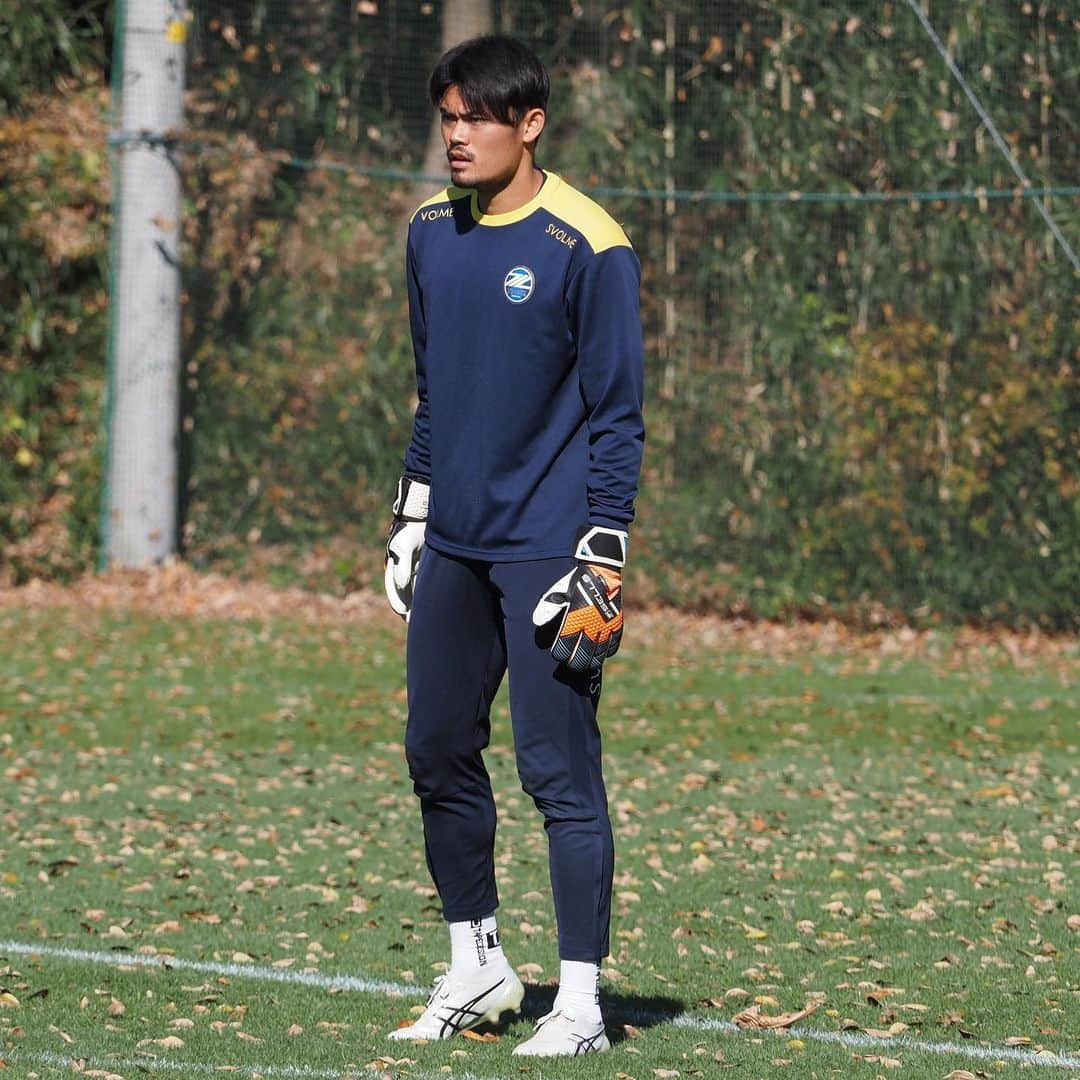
{"points": [[411, 503], [599, 545]]}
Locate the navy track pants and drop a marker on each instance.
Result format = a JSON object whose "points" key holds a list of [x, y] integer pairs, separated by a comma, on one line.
{"points": [[471, 621]]}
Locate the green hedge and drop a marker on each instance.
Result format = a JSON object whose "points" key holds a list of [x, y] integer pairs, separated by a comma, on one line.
{"points": [[866, 410]]}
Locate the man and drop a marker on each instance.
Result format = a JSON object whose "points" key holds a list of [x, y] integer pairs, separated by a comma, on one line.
{"points": [[519, 487]]}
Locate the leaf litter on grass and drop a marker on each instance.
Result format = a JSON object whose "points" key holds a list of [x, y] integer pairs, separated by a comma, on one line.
{"points": [[883, 823]]}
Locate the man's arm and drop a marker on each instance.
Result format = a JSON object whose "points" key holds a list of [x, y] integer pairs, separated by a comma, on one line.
{"points": [[418, 454], [407, 530], [582, 611], [606, 322]]}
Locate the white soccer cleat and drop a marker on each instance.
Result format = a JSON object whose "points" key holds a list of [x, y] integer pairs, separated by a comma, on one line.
{"points": [[561, 1034], [458, 1004]]}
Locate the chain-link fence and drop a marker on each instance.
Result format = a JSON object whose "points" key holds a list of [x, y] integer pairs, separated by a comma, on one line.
{"points": [[860, 322]]}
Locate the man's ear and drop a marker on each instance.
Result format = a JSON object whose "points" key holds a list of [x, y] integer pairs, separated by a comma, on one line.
{"points": [[532, 124]]}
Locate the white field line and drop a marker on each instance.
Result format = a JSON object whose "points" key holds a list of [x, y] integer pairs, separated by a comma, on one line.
{"points": [[151, 1065], [858, 1040], [214, 967], [890, 1047]]}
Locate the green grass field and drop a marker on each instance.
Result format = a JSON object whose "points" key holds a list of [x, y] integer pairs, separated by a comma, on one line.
{"points": [[210, 853]]}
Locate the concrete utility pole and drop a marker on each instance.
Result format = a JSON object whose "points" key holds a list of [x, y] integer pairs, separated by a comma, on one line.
{"points": [[144, 370]]}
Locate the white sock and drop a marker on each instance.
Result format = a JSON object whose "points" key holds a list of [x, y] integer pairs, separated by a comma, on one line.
{"points": [[475, 945], [579, 988]]}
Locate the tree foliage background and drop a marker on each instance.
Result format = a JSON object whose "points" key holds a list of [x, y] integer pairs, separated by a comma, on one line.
{"points": [[854, 406]]}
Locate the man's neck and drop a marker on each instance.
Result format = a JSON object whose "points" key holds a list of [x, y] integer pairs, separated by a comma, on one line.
{"points": [[523, 187]]}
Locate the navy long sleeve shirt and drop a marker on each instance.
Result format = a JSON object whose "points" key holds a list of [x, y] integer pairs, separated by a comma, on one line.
{"points": [[529, 371]]}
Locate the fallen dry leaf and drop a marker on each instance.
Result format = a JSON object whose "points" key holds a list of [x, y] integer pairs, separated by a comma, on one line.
{"points": [[998, 791], [481, 1036], [754, 1018]]}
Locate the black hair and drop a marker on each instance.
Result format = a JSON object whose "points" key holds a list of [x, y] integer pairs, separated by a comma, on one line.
{"points": [[496, 75]]}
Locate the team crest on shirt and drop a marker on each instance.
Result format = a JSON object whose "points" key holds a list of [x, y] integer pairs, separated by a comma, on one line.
{"points": [[518, 284]]}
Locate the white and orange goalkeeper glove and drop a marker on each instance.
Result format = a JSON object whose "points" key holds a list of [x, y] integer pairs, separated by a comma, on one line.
{"points": [[405, 543], [584, 607]]}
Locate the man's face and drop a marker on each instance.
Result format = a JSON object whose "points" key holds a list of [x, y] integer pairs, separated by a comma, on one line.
{"points": [[483, 152]]}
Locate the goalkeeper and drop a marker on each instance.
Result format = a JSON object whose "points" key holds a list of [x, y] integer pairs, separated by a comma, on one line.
{"points": [[518, 490]]}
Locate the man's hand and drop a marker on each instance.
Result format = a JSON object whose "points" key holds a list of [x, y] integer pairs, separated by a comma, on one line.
{"points": [[405, 543], [584, 607]]}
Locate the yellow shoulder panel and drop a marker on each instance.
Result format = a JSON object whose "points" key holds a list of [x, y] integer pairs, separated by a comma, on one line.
{"points": [[590, 219], [444, 196]]}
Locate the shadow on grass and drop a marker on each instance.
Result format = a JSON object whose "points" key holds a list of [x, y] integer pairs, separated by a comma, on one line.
{"points": [[640, 1011]]}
